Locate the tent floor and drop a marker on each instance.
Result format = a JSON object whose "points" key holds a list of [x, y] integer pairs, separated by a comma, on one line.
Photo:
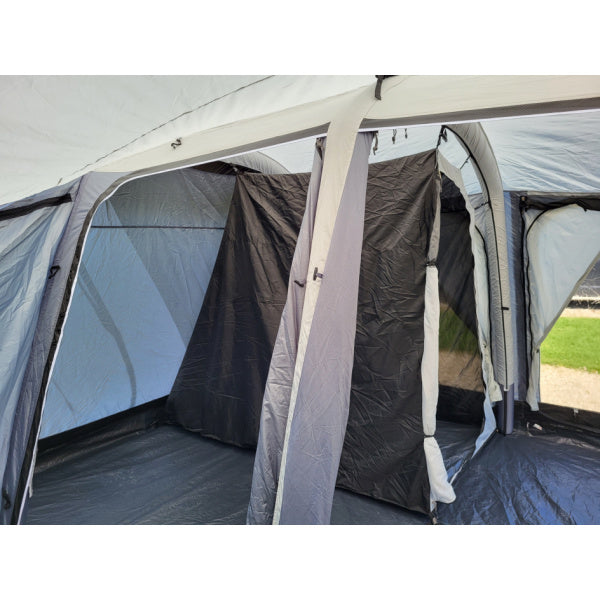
{"points": [[166, 475], [540, 475]]}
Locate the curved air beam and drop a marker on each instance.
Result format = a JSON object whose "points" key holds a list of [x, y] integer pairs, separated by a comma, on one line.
{"points": [[474, 140]]}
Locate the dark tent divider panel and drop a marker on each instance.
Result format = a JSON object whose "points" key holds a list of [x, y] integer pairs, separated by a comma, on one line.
{"points": [[462, 390], [219, 388], [383, 452]]}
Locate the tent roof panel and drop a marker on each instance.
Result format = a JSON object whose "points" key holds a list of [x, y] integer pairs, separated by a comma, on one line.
{"points": [[55, 129]]}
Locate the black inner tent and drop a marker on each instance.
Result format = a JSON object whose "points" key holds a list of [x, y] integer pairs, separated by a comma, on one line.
{"points": [[218, 389]]}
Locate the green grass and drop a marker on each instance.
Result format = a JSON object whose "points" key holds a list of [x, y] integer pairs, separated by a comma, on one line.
{"points": [[454, 334], [573, 343]]}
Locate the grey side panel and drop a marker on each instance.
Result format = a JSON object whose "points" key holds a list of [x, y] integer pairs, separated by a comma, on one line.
{"points": [[27, 248], [276, 401], [90, 187], [318, 420], [147, 263]]}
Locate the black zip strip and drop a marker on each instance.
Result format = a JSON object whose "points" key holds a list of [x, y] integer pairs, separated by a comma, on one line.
{"points": [[502, 312], [20, 211], [487, 273], [585, 202]]}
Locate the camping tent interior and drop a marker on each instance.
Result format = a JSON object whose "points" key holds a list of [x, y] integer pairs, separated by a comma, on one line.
{"points": [[154, 401]]}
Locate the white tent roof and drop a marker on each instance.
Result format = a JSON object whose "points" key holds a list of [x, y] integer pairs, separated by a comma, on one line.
{"points": [[54, 129], [556, 153]]}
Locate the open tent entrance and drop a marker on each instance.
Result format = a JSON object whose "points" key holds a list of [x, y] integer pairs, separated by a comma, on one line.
{"points": [[557, 284], [570, 357], [171, 330], [573, 344]]}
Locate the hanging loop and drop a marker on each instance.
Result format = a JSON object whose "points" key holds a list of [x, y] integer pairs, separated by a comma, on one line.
{"points": [[443, 136], [380, 79]]}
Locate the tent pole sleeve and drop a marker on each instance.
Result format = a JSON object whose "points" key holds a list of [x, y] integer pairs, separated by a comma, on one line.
{"points": [[276, 399], [493, 393], [473, 138], [320, 394], [506, 411]]}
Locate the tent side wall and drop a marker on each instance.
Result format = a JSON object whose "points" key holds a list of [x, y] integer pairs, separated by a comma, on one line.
{"points": [[29, 237], [51, 318], [148, 259]]}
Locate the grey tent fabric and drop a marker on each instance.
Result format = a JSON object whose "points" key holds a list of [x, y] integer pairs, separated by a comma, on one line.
{"points": [[221, 131], [276, 400], [475, 141], [18, 473], [27, 249], [316, 423], [147, 263]]}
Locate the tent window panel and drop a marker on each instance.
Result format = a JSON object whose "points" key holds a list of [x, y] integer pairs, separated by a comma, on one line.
{"points": [[462, 391]]}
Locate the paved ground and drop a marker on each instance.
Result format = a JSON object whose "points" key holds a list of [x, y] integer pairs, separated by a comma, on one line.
{"points": [[590, 313], [572, 387]]}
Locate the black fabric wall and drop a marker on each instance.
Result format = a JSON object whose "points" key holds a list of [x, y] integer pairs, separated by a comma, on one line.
{"points": [[218, 391], [383, 455], [219, 388]]}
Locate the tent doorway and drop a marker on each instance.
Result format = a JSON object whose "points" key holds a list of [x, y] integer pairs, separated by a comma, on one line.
{"points": [[153, 252]]}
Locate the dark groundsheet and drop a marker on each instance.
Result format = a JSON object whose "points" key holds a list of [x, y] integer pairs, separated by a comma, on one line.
{"points": [[166, 475]]}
